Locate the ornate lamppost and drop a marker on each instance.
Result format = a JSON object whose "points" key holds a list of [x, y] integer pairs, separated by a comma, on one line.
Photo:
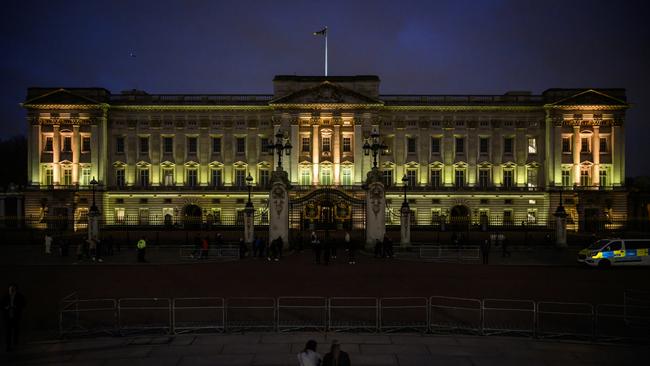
{"points": [[93, 215], [279, 146], [93, 207], [249, 227], [405, 216], [560, 223], [249, 205], [375, 145]]}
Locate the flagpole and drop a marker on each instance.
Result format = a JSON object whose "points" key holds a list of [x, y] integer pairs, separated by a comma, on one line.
{"points": [[325, 50]]}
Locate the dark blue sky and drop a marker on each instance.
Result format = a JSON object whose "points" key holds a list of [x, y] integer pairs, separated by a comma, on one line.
{"points": [[436, 47]]}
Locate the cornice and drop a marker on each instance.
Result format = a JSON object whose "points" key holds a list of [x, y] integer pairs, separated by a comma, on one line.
{"points": [[452, 108], [189, 107], [325, 106], [66, 106], [596, 107]]}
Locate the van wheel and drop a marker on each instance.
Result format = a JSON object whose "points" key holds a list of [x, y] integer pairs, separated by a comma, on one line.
{"points": [[604, 263]]}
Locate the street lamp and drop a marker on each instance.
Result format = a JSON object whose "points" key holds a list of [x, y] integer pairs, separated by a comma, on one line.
{"points": [[279, 146], [94, 208], [373, 144], [249, 205], [405, 181]]}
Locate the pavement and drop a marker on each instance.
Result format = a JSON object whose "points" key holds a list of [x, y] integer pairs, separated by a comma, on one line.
{"points": [[281, 349]]}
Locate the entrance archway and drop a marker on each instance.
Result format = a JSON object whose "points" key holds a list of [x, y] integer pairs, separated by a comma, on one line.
{"points": [[459, 216], [192, 216]]}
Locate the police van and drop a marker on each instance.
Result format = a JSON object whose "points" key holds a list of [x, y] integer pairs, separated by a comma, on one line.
{"points": [[616, 252]]}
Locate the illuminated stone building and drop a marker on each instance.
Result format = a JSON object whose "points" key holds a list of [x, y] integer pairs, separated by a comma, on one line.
{"points": [[164, 158]]}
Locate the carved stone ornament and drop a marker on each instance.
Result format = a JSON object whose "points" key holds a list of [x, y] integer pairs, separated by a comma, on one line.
{"points": [[278, 195], [376, 196], [373, 176]]}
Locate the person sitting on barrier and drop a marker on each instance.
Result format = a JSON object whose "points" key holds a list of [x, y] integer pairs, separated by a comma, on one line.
{"points": [[309, 356], [336, 357]]}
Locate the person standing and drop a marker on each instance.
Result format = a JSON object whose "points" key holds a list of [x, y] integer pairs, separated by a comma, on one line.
{"points": [[388, 247], [351, 248], [504, 246], [309, 356], [378, 249], [142, 247], [485, 251], [13, 304], [48, 243], [333, 247], [336, 357], [315, 246], [92, 248]]}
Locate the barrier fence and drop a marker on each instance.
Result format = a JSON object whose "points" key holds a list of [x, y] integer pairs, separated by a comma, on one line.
{"points": [[436, 314]]}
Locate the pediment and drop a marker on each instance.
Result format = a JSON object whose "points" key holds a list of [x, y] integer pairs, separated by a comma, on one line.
{"points": [[326, 93], [590, 97], [62, 96]]}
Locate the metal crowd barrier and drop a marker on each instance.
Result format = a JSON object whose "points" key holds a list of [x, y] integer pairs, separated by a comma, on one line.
{"points": [[87, 316], [144, 315], [455, 315], [250, 313], [562, 319], [403, 313], [353, 313], [301, 313], [502, 316], [450, 252], [193, 314]]}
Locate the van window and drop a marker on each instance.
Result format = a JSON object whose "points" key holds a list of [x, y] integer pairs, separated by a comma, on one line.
{"points": [[598, 244], [615, 245], [642, 244]]}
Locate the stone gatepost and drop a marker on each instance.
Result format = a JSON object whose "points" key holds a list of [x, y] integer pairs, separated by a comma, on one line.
{"points": [[560, 226], [279, 207], [93, 223], [375, 208], [405, 224], [249, 224]]}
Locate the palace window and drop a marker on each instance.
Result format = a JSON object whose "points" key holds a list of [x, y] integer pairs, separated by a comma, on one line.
{"points": [[85, 144], [459, 178], [346, 177], [305, 144], [532, 145], [192, 145], [120, 179], [327, 144], [168, 177], [387, 177], [215, 178], [49, 176], [144, 145], [120, 215], [143, 175], [484, 178], [67, 177], [85, 176], [47, 145], [603, 145], [460, 145], [119, 145], [216, 145], [531, 216], [566, 144], [168, 145], [508, 145], [436, 179], [192, 177], [67, 144], [347, 144], [484, 145], [411, 145], [240, 178], [305, 177], [531, 177], [326, 177], [566, 178], [241, 145], [584, 145], [411, 177], [585, 178], [602, 179], [508, 181], [435, 145], [264, 178]]}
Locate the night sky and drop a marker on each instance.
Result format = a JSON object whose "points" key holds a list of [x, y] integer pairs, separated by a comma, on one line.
{"points": [[428, 47]]}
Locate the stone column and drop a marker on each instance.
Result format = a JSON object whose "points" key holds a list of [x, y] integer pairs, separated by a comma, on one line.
{"points": [[76, 152], [337, 154], [315, 154], [94, 154], [34, 155], [249, 224], [93, 224], [375, 208], [56, 155], [576, 155], [560, 225], [296, 142], [279, 206], [595, 150], [405, 223], [358, 153]]}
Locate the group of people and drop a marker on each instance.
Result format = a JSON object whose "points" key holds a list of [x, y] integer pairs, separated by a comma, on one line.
{"points": [[384, 248], [496, 239], [90, 248], [335, 357], [327, 248]]}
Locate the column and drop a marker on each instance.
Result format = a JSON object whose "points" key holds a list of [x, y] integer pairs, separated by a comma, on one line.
{"points": [[576, 155], [337, 153], [400, 154], [76, 152], [618, 155], [358, 154], [448, 149], [34, 151], [295, 153], [315, 154], [595, 150], [56, 155], [521, 151], [279, 206], [556, 156], [94, 154]]}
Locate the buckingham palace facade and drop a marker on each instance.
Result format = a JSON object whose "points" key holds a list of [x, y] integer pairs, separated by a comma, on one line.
{"points": [[165, 157]]}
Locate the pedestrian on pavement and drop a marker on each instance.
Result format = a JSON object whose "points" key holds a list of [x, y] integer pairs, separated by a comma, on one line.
{"points": [[99, 251], [256, 247], [485, 250], [48, 243], [336, 357], [309, 356], [504, 246], [219, 241], [388, 246], [92, 248], [13, 304], [205, 248], [315, 246], [142, 248]]}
